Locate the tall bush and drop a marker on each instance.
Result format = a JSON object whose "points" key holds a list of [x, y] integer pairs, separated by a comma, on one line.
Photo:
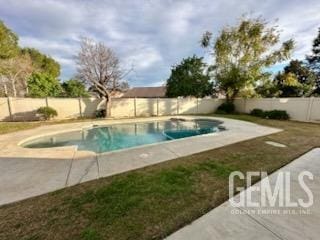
{"points": [[47, 112], [243, 52]]}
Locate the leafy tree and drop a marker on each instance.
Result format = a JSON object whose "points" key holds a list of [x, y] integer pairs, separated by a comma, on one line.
{"points": [[248, 92], [74, 88], [267, 88], [314, 61], [42, 62], [288, 85], [44, 85], [17, 65], [14, 73], [189, 78], [243, 52], [296, 80], [8, 42], [303, 74]]}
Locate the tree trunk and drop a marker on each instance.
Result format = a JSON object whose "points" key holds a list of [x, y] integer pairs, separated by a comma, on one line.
{"points": [[231, 98], [13, 84], [234, 95], [108, 107], [227, 98], [26, 86], [5, 90]]}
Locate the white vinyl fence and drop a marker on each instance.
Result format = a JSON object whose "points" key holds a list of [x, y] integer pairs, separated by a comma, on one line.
{"points": [[300, 109], [24, 109]]}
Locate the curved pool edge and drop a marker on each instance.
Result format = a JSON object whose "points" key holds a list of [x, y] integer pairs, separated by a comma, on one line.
{"points": [[180, 128], [14, 150]]}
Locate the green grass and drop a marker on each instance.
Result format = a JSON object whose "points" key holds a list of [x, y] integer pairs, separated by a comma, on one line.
{"points": [[152, 202], [8, 127]]}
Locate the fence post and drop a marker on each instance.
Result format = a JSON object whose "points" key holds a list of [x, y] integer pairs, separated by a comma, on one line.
{"points": [[177, 105], [80, 107], [197, 105], [157, 106], [272, 103], [245, 105], [5, 90], [110, 107], [309, 109], [135, 107], [47, 102], [9, 108]]}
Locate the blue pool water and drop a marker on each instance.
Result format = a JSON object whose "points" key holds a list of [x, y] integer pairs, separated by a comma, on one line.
{"points": [[108, 138]]}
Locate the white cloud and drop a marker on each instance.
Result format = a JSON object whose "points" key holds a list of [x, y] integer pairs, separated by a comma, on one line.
{"points": [[151, 34], [49, 46], [179, 18], [143, 58]]}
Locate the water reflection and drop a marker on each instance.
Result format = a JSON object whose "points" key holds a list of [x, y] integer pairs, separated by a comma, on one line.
{"points": [[108, 138]]}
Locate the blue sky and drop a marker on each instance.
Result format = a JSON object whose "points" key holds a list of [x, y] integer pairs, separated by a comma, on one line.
{"points": [[148, 34]]}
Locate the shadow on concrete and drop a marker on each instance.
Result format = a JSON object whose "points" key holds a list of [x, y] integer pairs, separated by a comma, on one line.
{"points": [[23, 116]]}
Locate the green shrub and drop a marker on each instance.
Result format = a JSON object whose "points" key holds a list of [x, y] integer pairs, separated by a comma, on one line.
{"points": [[100, 113], [273, 114], [277, 114], [226, 108], [47, 112], [257, 112]]}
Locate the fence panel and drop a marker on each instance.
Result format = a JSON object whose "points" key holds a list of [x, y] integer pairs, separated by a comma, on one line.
{"points": [[146, 107], [90, 105], [300, 109], [4, 109], [206, 106], [122, 107], [168, 106], [296, 107], [187, 106], [25, 109], [66, 107], [315, 110], [264, 103]]}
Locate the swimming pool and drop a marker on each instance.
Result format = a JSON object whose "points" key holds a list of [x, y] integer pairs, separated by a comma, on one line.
{"points": [[107, 138]]}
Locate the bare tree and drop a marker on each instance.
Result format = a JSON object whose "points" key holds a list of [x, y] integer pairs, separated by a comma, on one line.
{"points": [[99, 67], [15, 73]]}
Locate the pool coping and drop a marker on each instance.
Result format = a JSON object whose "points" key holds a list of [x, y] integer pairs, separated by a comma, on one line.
{"points": [[144, 120], [11, 144]]}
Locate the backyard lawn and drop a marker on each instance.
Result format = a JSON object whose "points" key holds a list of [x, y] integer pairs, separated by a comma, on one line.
{"points": [[8, 127], [152, 202]]}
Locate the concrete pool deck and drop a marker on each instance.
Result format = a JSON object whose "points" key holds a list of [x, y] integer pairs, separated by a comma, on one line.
{"points": [[242, 223], [29, 172]]}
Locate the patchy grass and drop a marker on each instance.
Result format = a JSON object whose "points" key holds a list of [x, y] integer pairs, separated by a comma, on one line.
{"points": [[8, 127], [153, 202]]}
